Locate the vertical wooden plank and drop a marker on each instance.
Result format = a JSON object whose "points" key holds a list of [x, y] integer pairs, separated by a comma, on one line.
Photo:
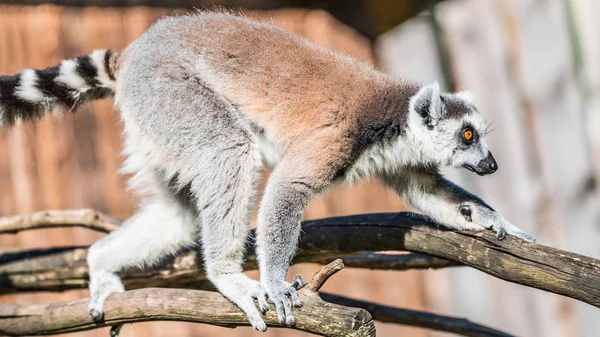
{"points": [[7, 204], [479, 58], [549, 81], [585, 14]]}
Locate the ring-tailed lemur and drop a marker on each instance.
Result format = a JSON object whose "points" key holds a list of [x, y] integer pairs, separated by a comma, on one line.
{"points": [[208, 99]]}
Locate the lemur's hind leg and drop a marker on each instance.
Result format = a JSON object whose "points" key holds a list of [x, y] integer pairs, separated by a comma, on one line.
{"points": [[161, 227], [212, 147], [225, 192]]}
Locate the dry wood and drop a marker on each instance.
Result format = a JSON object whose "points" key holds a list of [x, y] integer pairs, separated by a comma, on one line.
{"points": [[87, 218], [152, 304], [513, 260], [324, 274], [381, 313]]}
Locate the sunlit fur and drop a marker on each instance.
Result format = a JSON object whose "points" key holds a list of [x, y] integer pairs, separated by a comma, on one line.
{"points": [[441, 145], [207, 100]]}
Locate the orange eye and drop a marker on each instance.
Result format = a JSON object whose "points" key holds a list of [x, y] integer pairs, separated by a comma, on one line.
{"points": [[468, 134]]}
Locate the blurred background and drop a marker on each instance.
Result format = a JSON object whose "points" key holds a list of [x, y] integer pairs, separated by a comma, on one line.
{"points": [[532, 65]]}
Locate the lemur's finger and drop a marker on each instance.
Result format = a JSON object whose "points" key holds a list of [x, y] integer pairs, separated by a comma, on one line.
{"points": [[298, 283], [262, 303], [289, 316], [280, 310], [513, 230], [247, 306], [524, 236]]}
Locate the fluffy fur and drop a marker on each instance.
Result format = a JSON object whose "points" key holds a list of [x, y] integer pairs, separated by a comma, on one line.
{"points": [[30, 94], [208, 99]]}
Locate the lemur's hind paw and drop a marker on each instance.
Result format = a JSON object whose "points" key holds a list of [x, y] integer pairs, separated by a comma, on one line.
{"points": [[242, 291], [102, 284], [96, 315]]}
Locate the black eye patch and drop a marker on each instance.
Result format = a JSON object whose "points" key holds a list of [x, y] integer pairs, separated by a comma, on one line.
{"points": [[468, 135]]}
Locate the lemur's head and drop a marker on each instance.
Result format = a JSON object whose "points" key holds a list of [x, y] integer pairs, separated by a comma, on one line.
{"points": [[449, 130]]}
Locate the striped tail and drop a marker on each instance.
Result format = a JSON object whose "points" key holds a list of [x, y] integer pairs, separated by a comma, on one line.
{"points": [[30, 94]]}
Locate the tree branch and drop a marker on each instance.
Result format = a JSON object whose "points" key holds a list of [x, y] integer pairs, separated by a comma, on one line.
{"points": [[399, 316], [378, 261], [87, 218], [513, 260], [415, 318], [151, 304]]}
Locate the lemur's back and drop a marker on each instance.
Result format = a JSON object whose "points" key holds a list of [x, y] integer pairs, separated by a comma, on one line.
{"points": [[281, 81]]}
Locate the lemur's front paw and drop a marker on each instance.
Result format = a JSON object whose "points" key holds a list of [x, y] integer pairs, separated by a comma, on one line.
{"points": [[504, 227], [284, 295], [242, 291], [491, 219]]}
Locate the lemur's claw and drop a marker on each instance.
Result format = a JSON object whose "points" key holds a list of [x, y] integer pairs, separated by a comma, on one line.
{"points": [[97, 316], [501, 234], [262, 303], [260, 326]]}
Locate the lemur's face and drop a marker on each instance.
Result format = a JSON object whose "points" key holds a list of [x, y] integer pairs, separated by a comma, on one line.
{"points": [[449, 130]]}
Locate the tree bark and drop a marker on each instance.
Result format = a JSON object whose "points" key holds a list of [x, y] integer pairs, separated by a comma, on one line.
{"points": [[151, 304], [513, 260]]}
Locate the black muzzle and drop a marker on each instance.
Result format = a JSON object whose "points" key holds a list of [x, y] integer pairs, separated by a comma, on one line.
{"points": [[486, 166]]}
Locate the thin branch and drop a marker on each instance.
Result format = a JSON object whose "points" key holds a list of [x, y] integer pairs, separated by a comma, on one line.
{"points": [[87, 218], [378, 261], [415, 318], [152, 304], [513, 260], [324, 274]]}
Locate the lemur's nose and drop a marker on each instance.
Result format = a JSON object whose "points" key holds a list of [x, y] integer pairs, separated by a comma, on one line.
{"points": [[487, 165], [491, 163]]}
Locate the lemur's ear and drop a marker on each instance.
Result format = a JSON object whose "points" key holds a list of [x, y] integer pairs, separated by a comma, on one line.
{"points": [[428, 104], [466, 95]]}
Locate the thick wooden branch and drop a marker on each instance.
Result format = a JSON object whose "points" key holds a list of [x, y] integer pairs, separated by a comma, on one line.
{"points": [[513, 260], [152, 304], [388, 314]]}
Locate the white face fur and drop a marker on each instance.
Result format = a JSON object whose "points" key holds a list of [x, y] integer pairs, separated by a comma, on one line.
{"points": [[449, 131]]}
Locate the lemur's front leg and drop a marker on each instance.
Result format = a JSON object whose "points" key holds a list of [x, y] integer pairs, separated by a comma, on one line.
{"points": [[450, 205], [291, 186]]}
